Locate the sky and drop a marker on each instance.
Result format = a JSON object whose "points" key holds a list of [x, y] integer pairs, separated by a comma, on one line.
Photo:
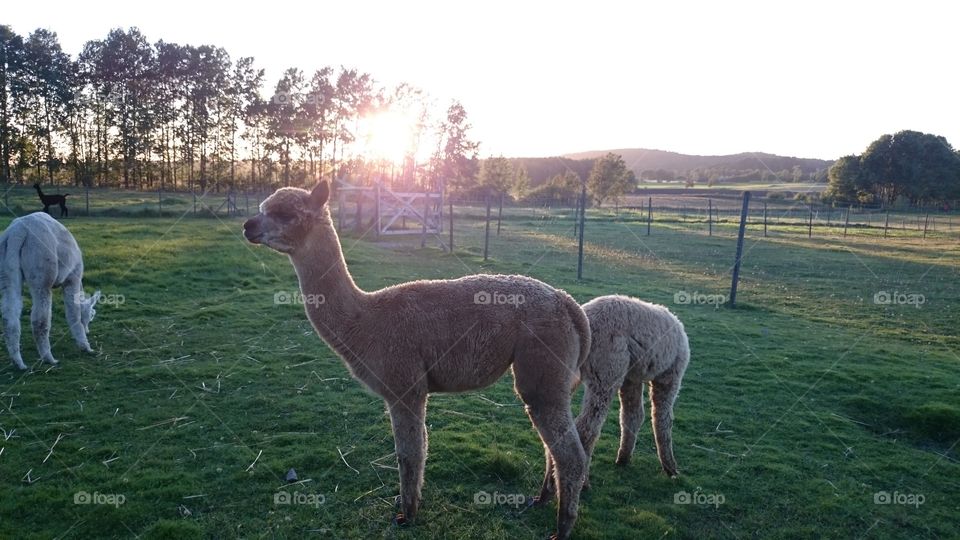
{"points": [[807, 79]]}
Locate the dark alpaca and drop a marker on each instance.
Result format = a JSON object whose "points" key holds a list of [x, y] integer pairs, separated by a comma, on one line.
{"points": [[50, 200]]}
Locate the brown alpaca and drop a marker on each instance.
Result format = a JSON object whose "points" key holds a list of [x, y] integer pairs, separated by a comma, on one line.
{"points": [[632, 342], [406, 341]]}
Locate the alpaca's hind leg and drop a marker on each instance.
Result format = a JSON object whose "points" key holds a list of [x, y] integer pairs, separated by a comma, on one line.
{"points": [[663, 393], [597, 396], [544, 388], [410, 438], [548, 486], [40, 316], [631, 416], [559, 433], [63, 210], [12, 306]]}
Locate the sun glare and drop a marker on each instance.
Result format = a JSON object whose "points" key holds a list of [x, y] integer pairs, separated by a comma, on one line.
{"points": [[390, 136]]}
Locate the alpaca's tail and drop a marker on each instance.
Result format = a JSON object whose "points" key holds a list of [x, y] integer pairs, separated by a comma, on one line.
{"points": [[10, 275], [582, 325]]}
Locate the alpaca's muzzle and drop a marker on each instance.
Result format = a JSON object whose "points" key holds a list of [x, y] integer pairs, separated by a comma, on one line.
{"points": [[251, 230]]}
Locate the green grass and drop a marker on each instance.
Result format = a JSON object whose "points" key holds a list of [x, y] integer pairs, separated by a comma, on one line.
{"points": [[798, 407]]}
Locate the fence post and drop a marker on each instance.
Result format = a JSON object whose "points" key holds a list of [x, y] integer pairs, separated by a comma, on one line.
{"points": [[423, 231], [810, 223], [246, 203], [649, 213], [764, 219], [583, 219], [194, 201], [500, 214], [926, 220], [736, 263], [576, 220], [160, 201], [486, 235], [846, 222], [87, 190], [710, 215], [358, 219], [886, 224], [376, 208], [451, 224]]}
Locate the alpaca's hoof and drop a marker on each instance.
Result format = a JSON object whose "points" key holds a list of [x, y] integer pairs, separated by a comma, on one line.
{"points": [[586, 484], [51, 360], [623, 461], [400, 520], [20, 365], [87, 349]]}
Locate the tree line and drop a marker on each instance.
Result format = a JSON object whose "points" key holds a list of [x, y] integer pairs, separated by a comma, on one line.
{"points": [[129, 113], [906, 168]]}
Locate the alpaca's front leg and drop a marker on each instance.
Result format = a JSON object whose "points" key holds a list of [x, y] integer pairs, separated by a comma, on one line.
{"points": [[631, 417], [410, 437], [40, 316], [12, 306], [596, 404], [73, 296]]}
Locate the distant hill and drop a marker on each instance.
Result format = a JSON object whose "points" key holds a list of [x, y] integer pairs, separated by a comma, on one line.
{"points": [[703, 167], [671, 166]]}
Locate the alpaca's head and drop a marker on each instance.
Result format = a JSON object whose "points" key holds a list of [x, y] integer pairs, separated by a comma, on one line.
{"points": [[287, 217], [88, 310]]}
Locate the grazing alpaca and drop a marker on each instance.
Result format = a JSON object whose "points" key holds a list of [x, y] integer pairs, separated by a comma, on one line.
{"points": [[408, 340], [632, 342], [50, 200], [37, 249]]}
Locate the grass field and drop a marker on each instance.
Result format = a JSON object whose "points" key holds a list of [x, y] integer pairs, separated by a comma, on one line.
{"points": [[811, 410]]}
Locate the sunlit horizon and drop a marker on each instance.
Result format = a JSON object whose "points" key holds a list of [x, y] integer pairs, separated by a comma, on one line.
{"points": [[812, 80]]}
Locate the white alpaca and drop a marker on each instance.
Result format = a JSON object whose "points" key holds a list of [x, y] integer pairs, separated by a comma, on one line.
{"points": [[39, 250]]}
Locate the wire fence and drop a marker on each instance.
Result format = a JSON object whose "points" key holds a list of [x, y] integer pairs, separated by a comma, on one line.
{"points": [[719, 215], [19, 200]]}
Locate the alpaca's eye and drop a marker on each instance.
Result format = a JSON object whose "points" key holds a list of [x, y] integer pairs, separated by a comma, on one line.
{"points": [[284, 217]]}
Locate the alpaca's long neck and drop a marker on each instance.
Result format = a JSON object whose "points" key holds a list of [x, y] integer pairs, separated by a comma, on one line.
{"points": [[333, 301]]}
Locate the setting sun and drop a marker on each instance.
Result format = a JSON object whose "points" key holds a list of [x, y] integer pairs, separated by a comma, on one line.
{"points": [[389, 135]]}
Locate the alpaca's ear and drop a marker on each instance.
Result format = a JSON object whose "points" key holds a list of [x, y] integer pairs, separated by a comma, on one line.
{"points": [[320, 194]]}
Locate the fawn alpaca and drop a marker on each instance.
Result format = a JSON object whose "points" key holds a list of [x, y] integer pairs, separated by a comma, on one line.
{"points": [[50, 200], [411, 339], [39, 250]]}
